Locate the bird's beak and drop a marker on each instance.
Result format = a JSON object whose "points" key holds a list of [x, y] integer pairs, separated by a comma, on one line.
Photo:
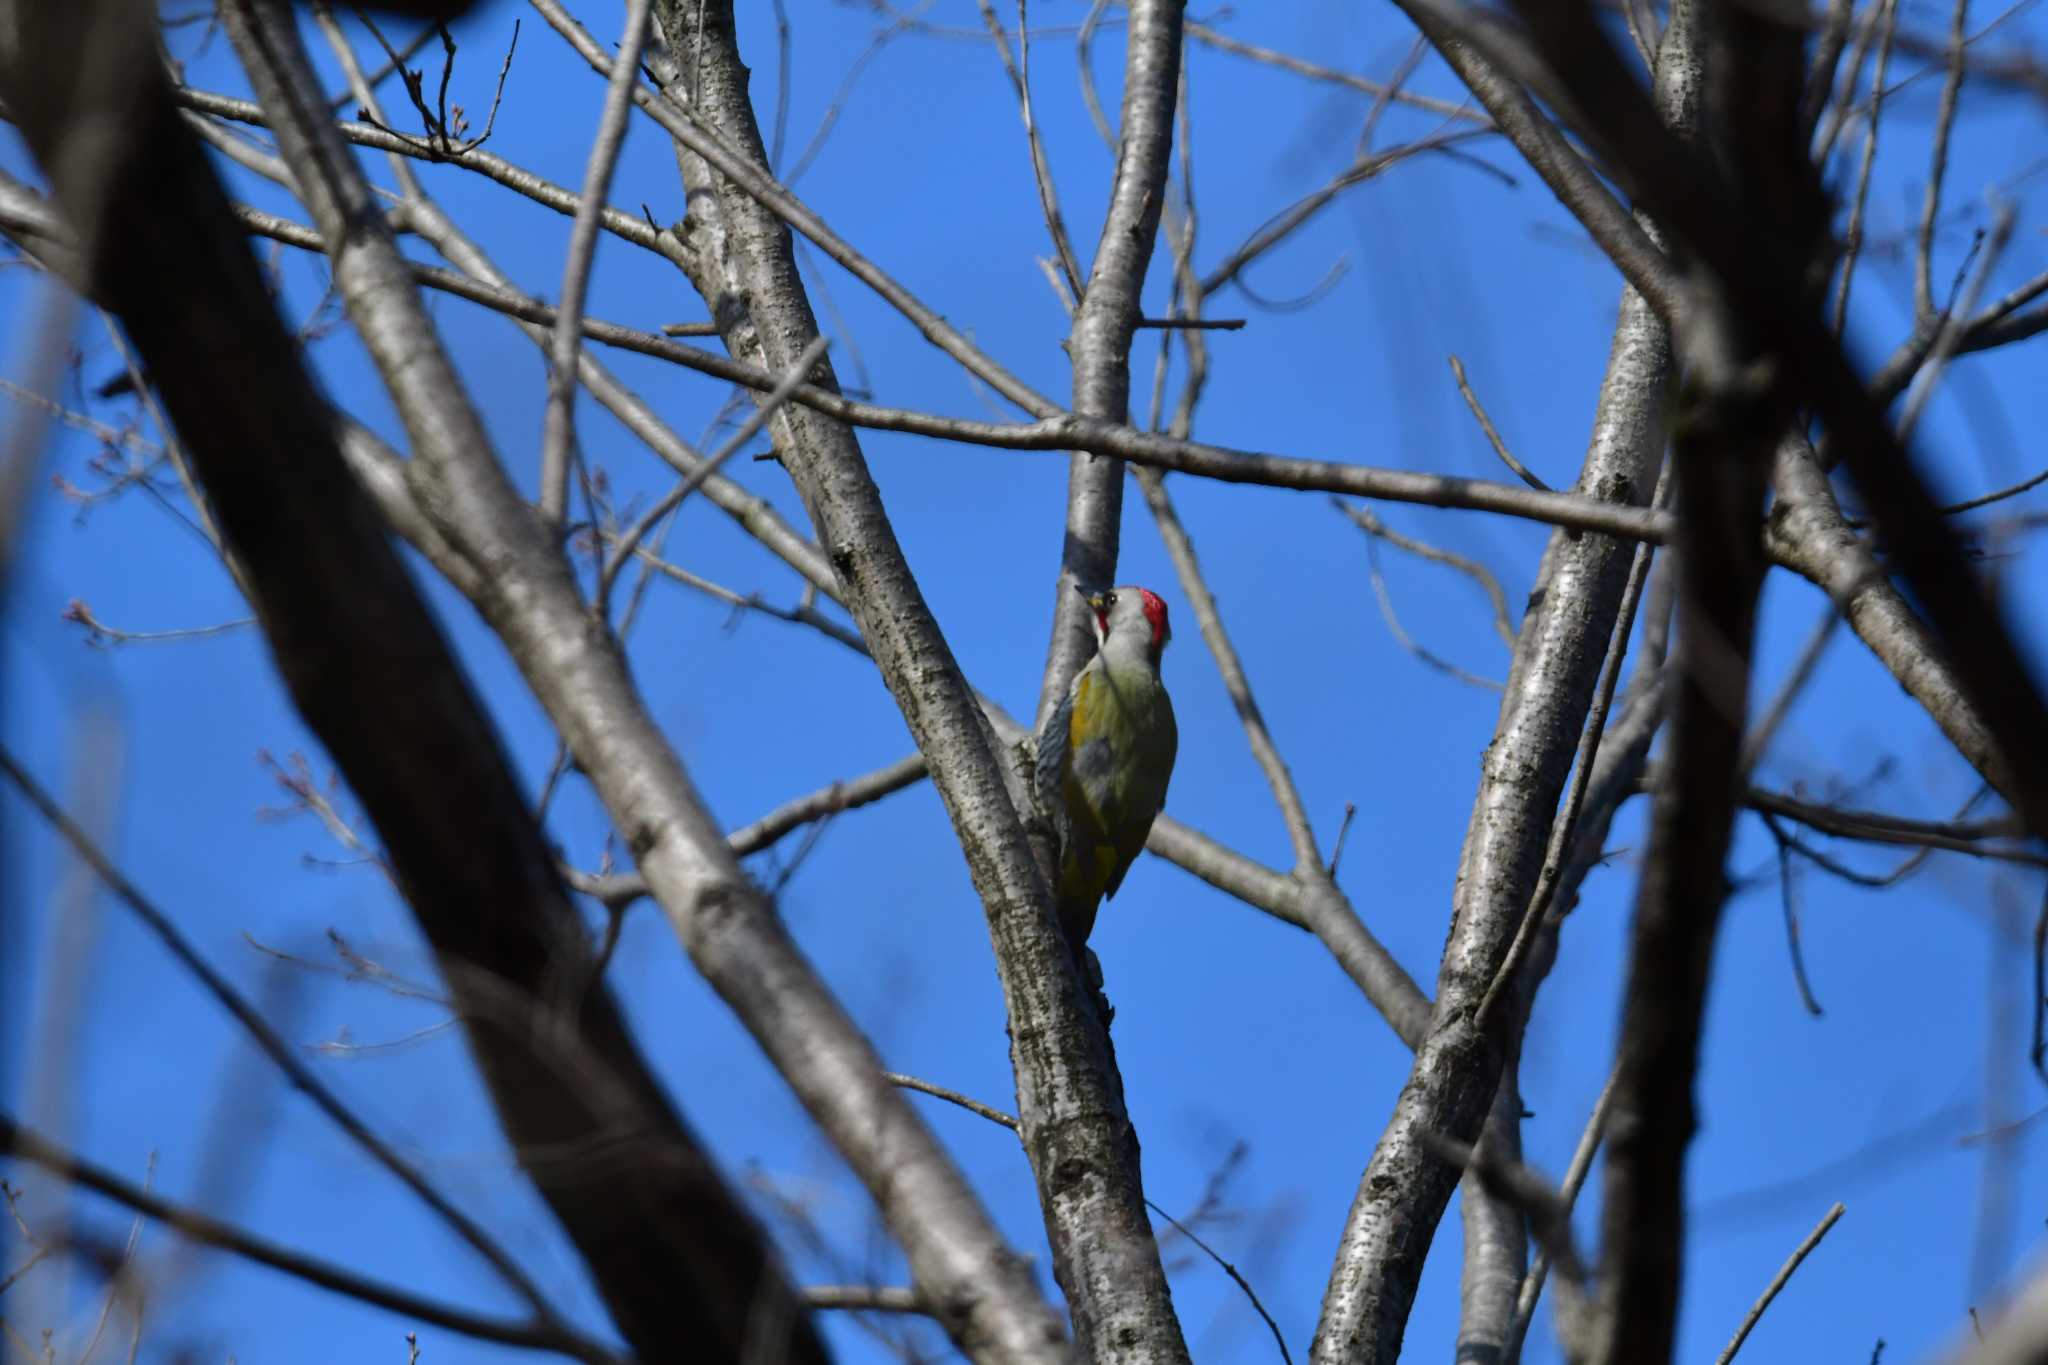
{"points": [[1093, 599]]}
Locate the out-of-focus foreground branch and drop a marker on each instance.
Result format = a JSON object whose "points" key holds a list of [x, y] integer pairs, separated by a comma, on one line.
{"points": [[679, 1261], [1560, 647]]}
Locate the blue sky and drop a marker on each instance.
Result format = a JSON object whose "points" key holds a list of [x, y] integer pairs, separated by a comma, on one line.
{"points": [[1244, 1049]]}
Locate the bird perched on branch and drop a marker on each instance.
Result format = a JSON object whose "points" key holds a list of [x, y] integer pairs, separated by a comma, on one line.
{"points": [[1106, 753]]}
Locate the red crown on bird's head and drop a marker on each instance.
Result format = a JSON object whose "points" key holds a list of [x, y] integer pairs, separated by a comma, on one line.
{"points": [[1155, 613]]}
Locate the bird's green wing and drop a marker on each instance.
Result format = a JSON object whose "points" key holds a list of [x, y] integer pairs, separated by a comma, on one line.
{"points": [[1146, 804]]}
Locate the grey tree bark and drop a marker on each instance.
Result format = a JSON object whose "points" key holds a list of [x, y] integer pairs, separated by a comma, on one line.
{"points": [[1560, 647], [981, 1289], [1069, 1099], [682, 1265]]}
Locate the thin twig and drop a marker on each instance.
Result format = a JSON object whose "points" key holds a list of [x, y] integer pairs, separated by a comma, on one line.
{"points": [[625, 226], [393, 63], [544, 1334], [2010, 491], [1500, 447], [746, 175], [1283, 224], [558, 433], [972, 1106], [1574, 1180], [1399, 631], [1799, 1253], [1837, 103], [1223, 42], [1278, 1338], [1343, 829], [1827, 53], [278, 1050], [1773, 715], [622, 549], [803, 614], [1954, 836], [1364, 518], [1854, 234], [1944, 121], [1064, 431], [1788, 898], [1293, 812], [997, 1116], [1041, 170], [1950, 337]]}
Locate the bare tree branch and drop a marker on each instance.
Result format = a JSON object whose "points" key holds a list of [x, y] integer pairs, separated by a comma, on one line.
{"points": [[672, 1249], [1560, 166], [1500, 447], [1759, 275], [1809, 534], [1075, 1130], [19, 1142], [1181, 549], [559, 434], [580, 678], [865, 1298], [1404, 1188], [1755, 73], [274, 1047], [1100, 342], [1041, 170], [1771, 1290], [21, 215], [625, 226], [1223, 42]]}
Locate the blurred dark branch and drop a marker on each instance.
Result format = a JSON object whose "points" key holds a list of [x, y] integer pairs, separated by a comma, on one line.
{"points": [[676, 1256], [1546, 1207], [865, 1298], [267, 1039], [1808, 533], [1568, 1192], [1578, 187], [1765, 727], [1379, 90], [25, 1145], [1958, 836], [1369, 165], [1560, 647], [1735, 407], [1761, 275]]}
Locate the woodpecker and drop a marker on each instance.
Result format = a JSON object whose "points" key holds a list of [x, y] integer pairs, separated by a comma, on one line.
{"points": [[1106, 753]]}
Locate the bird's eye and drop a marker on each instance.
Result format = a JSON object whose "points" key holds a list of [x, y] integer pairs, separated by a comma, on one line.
{"points": [[1109, 599]]}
